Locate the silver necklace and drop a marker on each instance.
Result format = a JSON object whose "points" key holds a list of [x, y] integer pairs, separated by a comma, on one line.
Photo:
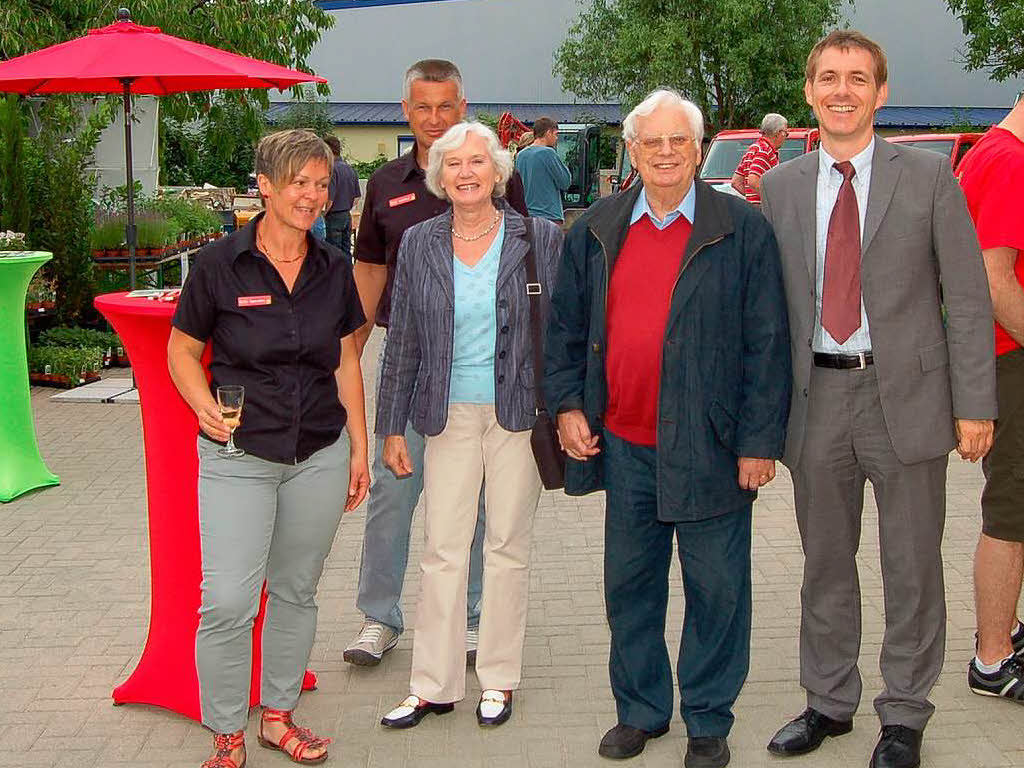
{"points": [[470, 239]]}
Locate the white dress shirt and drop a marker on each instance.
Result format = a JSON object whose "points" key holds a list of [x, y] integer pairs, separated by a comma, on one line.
{"points": [[829, 182]]}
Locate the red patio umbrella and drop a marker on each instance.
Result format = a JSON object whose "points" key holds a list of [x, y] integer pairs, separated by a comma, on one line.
{"points": [[128, 58]]}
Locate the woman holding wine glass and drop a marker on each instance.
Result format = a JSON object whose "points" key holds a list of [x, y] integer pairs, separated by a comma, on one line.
{"points": [[278, 309]]}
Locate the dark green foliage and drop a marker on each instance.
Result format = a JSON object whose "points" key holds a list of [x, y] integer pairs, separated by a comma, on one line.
{"points": [[61, 188], [365, 170], [78, 338], [218, 149], [72, 362], [14, 205], [995, 35], [736, 59]]}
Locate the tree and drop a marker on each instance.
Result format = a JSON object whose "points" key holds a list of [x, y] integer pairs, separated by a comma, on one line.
{"points": [[736, 59], [60, 186], [995, 35]]}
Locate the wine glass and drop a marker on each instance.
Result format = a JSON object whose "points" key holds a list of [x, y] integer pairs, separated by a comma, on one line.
{"points": [[230, 400]]}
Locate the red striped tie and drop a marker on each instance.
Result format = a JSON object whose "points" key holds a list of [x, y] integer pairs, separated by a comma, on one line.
{"points": [[840, 295]]}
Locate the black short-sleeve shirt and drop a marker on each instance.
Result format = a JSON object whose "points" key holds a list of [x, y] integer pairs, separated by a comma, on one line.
{"points": [[396, 198], [283, 348]]}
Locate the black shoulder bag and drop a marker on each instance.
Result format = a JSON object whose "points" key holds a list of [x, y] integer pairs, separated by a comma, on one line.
{"points": [[547, 451]]}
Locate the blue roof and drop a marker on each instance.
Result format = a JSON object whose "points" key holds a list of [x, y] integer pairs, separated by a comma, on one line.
{"points": [[390, 113], [938, 117]]}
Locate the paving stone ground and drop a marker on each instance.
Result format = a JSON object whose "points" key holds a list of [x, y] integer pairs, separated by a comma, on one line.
{"points": [[74, 603]]}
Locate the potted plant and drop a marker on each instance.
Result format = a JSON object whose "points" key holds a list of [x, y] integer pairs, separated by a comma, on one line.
{"points": [[64, 367], [107, 238]]}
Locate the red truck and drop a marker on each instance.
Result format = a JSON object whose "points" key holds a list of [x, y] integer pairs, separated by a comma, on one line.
{"points": [[952, 145]]}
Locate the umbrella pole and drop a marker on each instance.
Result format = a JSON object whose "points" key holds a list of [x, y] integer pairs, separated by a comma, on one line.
{"points": [[130, 228]]}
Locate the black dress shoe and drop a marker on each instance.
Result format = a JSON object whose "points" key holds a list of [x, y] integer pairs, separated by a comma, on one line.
{"points": [[706, 752], [495, 707], [409, 713], [898, 747], [624, 741], [805, 733]]}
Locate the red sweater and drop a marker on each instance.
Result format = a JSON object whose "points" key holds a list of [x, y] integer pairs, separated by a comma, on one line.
{"points": [[639, 296]]}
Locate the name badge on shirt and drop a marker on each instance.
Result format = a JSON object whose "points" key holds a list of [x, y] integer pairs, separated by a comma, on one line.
{"points": [[394, 202], [253, 301]]}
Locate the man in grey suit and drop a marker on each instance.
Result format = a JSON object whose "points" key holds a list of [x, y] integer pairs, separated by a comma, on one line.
{"points": [[883, 389]]}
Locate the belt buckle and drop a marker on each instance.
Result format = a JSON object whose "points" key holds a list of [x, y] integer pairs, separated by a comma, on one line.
{"points": [[533, 289], [862, 361]]}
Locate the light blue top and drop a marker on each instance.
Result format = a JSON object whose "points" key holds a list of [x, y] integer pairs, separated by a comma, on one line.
{"points": [[829, 182], [544, 177], [475, 326], [686, 208]]}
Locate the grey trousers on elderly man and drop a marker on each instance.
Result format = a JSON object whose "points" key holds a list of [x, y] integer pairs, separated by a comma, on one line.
{"points": [[259, 519], [471, 446], [846, 443]]}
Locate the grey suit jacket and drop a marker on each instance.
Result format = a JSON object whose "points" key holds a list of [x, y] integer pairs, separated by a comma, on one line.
{"points": [[416, 374], [918, 236]]}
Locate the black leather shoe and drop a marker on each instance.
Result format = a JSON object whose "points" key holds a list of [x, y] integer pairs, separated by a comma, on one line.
{"points": [[624, 741], [495, 707], [409, 713], [706, 752], [805, 733], [898, 747]]}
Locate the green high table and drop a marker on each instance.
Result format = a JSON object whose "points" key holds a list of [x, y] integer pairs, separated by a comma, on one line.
{"points": [[21, 467]]}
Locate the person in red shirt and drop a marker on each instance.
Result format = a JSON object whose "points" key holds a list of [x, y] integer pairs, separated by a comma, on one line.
{"points": [[761, 157], [987, 176]]}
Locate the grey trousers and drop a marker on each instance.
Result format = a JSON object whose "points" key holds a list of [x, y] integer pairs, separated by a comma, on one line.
{"points": [[260, 520], [846, 443]]}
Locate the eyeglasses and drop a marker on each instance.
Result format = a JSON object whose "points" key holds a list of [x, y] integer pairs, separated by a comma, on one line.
{"points": [[654, 143]]}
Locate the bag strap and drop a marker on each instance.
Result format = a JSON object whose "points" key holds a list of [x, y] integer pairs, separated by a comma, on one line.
{"points": [[533, 291]]}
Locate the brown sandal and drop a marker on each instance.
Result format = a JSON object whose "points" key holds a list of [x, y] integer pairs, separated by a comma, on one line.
{"points": [[304, 738], [225, 744]]}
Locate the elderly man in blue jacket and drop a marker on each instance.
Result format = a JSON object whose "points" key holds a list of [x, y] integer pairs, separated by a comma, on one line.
{"points": [[667, 364]]}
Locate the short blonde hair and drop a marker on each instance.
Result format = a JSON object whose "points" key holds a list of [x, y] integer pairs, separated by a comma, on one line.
{"points": [[282, 155], [454, 138]]}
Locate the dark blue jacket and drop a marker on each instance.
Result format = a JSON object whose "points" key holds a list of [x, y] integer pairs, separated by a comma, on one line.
{"points": [[725, 371]]}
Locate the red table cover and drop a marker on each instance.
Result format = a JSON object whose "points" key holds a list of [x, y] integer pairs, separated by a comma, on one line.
{"points": [[166, 672]]}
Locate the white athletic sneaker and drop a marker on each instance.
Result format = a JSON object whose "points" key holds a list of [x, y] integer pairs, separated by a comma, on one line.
{"points": [[472, 640], [372, 642]]}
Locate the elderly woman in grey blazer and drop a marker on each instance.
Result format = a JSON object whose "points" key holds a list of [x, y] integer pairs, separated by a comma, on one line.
{"points": [[458, 365]]}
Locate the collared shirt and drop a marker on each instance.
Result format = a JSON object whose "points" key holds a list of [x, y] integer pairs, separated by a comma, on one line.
{"points": [[686, 208], [344, 187], [284, 348], [829, 182], [760, 158], [396, 198]]}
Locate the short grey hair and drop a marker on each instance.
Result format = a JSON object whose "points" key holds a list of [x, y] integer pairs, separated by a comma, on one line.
{"points": [[773, 123], [454, 138], [663, 97], [433, 71]]}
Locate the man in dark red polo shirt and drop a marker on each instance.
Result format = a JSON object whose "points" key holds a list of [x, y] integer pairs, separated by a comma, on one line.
{"points": [[667, 361], [761, 157], [988, 176], [396, 198]]}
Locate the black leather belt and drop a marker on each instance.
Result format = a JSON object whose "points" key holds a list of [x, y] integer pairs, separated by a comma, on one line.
{"points": [[843, 362]]}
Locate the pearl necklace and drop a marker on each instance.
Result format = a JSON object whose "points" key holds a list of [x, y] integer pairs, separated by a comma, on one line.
{"points": [[261, 244], [470, 239]]}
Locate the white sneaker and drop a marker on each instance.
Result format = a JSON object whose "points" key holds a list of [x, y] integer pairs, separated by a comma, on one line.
{"points": [[372, 642], [472, 641]]}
